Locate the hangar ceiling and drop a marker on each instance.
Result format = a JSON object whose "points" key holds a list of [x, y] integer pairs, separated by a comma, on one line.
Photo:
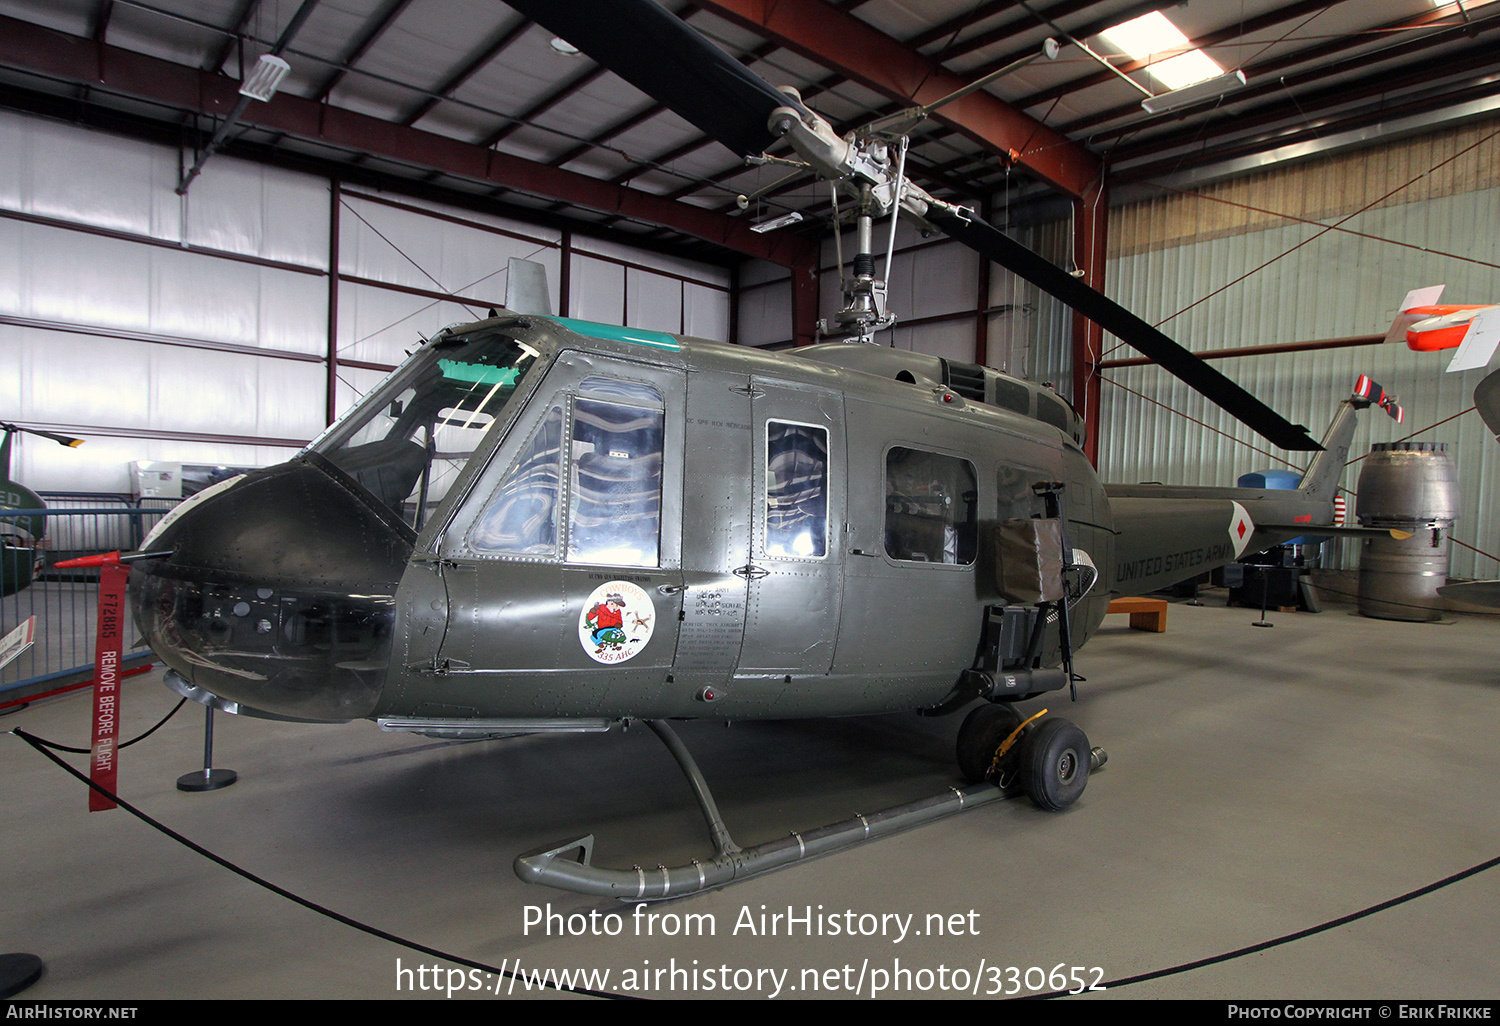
{"points": [[468, 101]]}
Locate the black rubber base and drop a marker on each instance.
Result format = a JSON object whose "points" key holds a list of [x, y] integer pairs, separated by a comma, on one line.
{"points": [[211, 780], [19, 971]]}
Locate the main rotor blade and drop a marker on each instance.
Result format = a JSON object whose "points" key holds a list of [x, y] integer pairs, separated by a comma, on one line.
{"points": [[1112, 317], [662, 56]]}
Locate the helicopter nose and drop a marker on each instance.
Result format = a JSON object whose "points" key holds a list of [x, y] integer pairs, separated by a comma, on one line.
{"points": [[277, 592]]}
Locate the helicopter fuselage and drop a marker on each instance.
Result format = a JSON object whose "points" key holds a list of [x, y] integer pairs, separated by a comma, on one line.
{"points": [[642, 525], [823, 547]]}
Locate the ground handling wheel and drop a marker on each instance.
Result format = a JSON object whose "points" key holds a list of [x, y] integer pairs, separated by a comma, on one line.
{"points": [[983, 731], [1054, 764]]}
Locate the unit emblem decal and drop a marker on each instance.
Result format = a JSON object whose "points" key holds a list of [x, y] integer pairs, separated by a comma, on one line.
{"points": [[616, 622], [1241, 527]]}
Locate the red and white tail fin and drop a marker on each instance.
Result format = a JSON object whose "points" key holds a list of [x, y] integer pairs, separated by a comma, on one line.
{"points": [[1367, 388], [1479, 342], [1416, 297], [1321, 479], [1425, 326]]}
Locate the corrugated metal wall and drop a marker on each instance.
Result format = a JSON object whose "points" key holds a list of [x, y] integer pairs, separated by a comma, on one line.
{"points": [[1252, 262], [199, 329]]}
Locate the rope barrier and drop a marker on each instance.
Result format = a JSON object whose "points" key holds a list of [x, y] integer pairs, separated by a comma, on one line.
{"points": [[39, 745]]}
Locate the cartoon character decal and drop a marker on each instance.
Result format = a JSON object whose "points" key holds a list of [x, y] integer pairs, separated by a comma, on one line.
{"points": [[616, 622]]}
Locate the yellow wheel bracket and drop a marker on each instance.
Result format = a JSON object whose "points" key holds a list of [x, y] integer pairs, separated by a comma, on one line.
{"points": [[1010, 740]]}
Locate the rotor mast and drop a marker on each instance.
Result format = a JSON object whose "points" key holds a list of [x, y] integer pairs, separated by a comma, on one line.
{"points": [[869, 163]]}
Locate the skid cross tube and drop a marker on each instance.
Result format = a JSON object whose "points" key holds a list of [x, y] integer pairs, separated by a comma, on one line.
{"points": [[555, 865]]}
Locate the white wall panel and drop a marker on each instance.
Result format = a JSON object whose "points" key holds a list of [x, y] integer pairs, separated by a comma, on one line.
{"points": [[766, 315], [391, 245], [709, 274], [291, 398], [73, 278], [78, 379], [13, 383], [597, 290], [246, 304], [55, 170], [380, 326], [291, 312], [262, 211], [939, 280], [407, 247], [705, 313], [541, 233], [212, 393], [78, 279], [953, 340], [653, 301]]}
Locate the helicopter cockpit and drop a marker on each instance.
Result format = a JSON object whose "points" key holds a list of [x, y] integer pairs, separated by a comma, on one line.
{"points": [[408, 443], [275, 593]]}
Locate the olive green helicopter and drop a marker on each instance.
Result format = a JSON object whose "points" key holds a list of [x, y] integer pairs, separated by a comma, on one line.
{"points": [[544, 524], [23, 536]]}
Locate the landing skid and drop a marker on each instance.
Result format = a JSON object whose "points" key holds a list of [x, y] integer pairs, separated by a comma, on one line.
{"points": [[567, 865]]}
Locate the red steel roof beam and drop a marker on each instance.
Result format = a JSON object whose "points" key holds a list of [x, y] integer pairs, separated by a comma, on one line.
{"points": [[81, 61], [841, 42]]}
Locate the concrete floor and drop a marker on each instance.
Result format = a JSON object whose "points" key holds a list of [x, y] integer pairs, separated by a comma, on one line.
{"points": [[1260, 782]]}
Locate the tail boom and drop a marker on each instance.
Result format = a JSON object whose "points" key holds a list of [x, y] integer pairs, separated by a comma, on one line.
{"points": [[1165, 534], [1174, 534]]}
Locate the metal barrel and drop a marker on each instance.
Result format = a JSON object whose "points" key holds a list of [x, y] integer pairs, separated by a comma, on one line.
{"points": [[1413, 487]]}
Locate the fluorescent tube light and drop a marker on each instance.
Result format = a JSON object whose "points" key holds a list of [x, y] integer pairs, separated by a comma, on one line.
{"points": [[1207, 90], [777, 222]]}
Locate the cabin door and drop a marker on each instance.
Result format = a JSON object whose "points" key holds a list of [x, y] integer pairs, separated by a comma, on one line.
{"points": [[793, 574], [563, 569]]}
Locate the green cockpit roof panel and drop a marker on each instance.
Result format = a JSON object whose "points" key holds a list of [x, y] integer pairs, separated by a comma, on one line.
{"points": [[615, 333]]}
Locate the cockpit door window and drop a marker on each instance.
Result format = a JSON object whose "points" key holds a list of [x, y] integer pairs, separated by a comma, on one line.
{"points": [[604, 444], [614, 483], [522, 518]]}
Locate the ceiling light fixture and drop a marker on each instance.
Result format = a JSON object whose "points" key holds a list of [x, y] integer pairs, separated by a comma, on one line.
{"points": [[777, 222], [1151, 34], [1209, 89], [267, 76], [562, 46], [1189, 74]]}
